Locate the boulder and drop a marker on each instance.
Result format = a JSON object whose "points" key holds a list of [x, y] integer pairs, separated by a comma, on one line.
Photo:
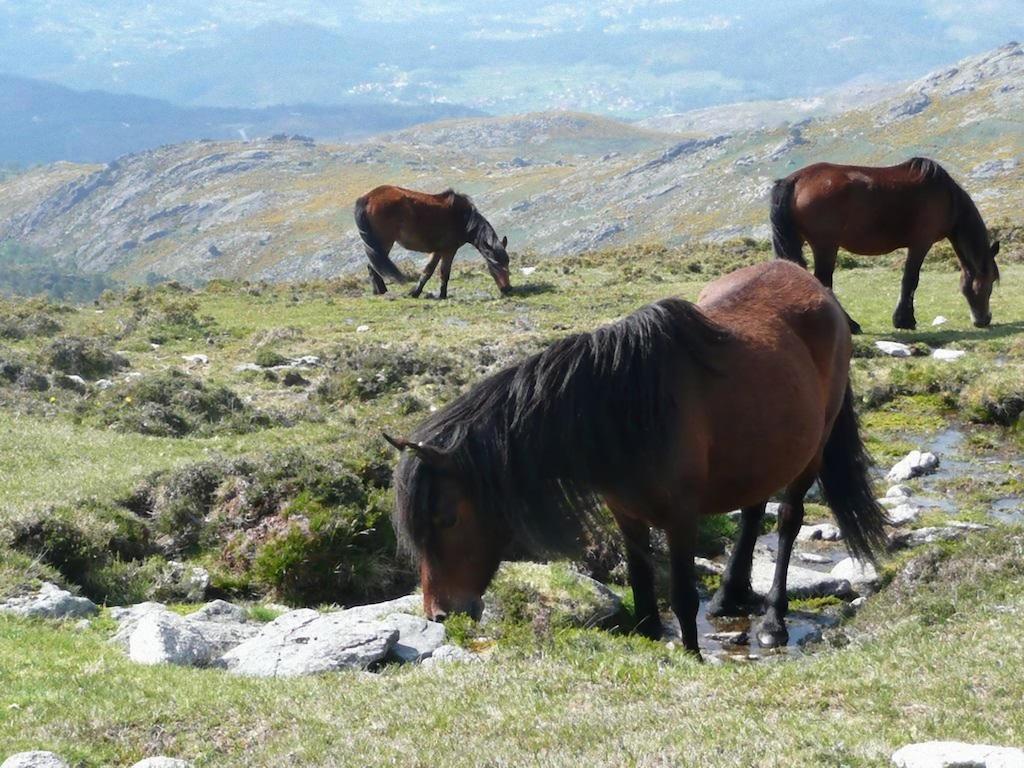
{"points": [[800, 582], [220, 611], [904, 513], [860, 574], [914, 464], [418, 638], [36, 759], [956, 754], [930, 535], [821, 532], [182, 582], [162, 762], [128, 617], [305, 642], [162, 637], [446, 654], [50, 602], [412, 604]]}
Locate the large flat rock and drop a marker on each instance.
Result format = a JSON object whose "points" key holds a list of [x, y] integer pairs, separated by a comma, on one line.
{"points": [[800, 582], [956, 754], [50, 602], [37, 759]]}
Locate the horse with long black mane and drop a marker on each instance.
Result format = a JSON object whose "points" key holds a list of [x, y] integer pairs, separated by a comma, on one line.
{"points": [[435, 224], [675, 412], [872, 211]]}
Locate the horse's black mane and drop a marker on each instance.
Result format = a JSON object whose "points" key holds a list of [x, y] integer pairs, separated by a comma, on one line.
{"points": [[969, 231], [594, 413]]}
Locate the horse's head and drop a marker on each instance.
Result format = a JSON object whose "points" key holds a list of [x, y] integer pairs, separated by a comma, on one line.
{"points": [[976, 286], [494, 251], [437, 518]]}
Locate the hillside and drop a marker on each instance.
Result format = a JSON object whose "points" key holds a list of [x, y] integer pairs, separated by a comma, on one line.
{"points": [[555, 183]]}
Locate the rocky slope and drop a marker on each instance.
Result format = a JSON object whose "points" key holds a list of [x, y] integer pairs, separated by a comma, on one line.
{"points": [[556, 183]]}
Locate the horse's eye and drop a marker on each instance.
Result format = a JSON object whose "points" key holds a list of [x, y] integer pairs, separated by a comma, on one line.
{"points": [[444, 518]]}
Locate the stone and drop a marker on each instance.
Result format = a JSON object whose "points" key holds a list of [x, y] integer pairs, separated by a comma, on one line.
{"points": [[37, 759], [800, 582], [948, 354], [820, 532], [410, 604], [103, 384], [162, 762], [310, 361], [128, 618], [858, 602], [362, 328], [162, 637], [957, 754], [183, 582], [220, 611], [939, 320], [50, 602], [305, 642], [859, 574], [418, 638], [738, 637], [899, 492], [447, 654], [914, 464], [904, 513], [894, 348], [197, 359], [930, 535], [527, 270], [705, 567], [812, 557], [247, 367]]}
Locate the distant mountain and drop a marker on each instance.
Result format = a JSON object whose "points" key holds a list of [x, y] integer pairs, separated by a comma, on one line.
{"points": [[555, 183], [43, 122]]}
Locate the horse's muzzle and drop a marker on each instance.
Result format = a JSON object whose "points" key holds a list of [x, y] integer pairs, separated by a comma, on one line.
{"points": [[472, 608], [983, 322]]}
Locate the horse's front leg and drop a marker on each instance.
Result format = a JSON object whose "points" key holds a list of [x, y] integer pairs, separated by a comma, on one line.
{"points": [[682, 542], [376, 282], [446, 272], [428, 271], [637, 536], [734, 596], [772, 631], [904, 317]]}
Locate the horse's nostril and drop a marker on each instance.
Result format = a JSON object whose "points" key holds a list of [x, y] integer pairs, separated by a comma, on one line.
{"points": [[440, 615]]}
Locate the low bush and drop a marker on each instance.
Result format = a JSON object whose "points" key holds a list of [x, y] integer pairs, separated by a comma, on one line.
{"points": [[85, 357]]}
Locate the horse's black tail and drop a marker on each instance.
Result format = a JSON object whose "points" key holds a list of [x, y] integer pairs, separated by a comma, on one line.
{"points": [[785, 238], [379, 260], [846, 485]]}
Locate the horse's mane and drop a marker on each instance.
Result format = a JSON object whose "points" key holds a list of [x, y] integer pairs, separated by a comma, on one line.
{"points": [[594, 413], [968, 228]]}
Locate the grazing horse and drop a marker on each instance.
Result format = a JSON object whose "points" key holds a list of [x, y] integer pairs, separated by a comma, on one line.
{"points": [[676, 412], [434, 224], [872, 211]]}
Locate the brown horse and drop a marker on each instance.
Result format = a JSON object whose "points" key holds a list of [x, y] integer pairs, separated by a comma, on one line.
{"points": [[872, 211], [434, 224], [675, 412]]}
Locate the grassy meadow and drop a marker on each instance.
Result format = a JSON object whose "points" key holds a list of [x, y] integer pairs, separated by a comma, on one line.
{"points": [[102, 484]]}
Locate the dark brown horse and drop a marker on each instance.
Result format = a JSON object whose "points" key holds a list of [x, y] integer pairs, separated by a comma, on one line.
{"points": [[675, 412], [872, 211], [434, 224]]}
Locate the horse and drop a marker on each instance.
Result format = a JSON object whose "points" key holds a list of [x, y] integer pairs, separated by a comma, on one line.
{"points": [[435, 224], [676, 412], [871, 211]]}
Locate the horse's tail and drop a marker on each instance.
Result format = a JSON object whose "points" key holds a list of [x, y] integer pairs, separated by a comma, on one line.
{"points": [[785, 238], [846, 485], [379, 260]]}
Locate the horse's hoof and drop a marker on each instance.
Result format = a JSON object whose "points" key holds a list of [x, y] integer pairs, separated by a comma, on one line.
{"points": [[722, 606], [772, 634], [904, 322], [855, 328], [413, 294]]}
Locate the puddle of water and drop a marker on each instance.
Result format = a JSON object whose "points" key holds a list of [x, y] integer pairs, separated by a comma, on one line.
{"points": [[1009, 509]]}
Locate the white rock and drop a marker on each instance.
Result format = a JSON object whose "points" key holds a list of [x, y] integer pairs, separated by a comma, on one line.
{"points": [[903, 514], [939, 320], [310, 361], [362, 328], [956, 754], [181, 581], [167, 638], [913, 464], [197, 359], [894, 348], [162, 762], [858, 602], [812, 557], [528, 270], [948, 354], [858, 573], [821, 532], [50, 602], [446, 654], [899, 492], [247, 367], [220, 611], [37, 759], [800, 582], [412, 604], [104, 384], [304, 642], [418, 638], [919, 536], [705, 567], [128, 618]]}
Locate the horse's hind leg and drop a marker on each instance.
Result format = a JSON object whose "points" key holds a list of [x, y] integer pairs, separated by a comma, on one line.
{"points": [[824, 269], [376, 281], [904, 317], [637, 536], [772, 631], [735, 596], [427, 272]]}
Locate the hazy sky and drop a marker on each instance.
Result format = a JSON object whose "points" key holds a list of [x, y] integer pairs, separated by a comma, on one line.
{"points": [[626, 57]]}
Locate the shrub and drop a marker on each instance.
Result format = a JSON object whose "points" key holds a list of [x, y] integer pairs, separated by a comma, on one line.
{"points": [[87, 358], [268, 358], [367, 372]]}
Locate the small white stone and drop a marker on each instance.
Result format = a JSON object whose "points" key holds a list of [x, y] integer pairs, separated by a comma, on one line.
{"points": [[913, 464], [822, 532], [528, 270], [812, 557], [956, 754], [197, 359], [903, 514], [948, 354], [37, 759], [858, 573], [894, 348], [899, 491], [939, 320], [362, 328]]}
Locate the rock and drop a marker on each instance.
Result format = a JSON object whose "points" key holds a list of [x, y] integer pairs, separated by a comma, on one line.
{"points": [[859, 574], [956, 754], [220, 611], [447, 654], [948, 354], [568, 597], [305, 642], [362, 328], [528, 270], [247, 367], [410, 604], [163, 637], [821, 532], [894, 348], [858, 602], [128, 618], [103, 384], [914, 464], [179, 581], [800, 582], [50, 602], [812, 557], [36, 759], [705, 567], [939, 320], [903, 514], [310, 361], [418, 638], [162, 762], [899, 492], [196, 359], [919, 536], [738, 637]]}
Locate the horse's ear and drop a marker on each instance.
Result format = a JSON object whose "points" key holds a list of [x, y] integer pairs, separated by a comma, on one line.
{"points": [[435, 457], [399, 443], [995, 248], [504, 242]]}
